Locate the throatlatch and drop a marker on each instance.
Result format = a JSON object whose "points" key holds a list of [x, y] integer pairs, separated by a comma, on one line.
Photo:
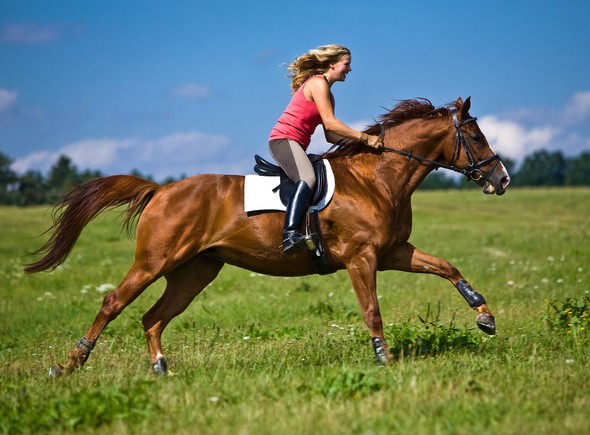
{"points": [[473, 298]]}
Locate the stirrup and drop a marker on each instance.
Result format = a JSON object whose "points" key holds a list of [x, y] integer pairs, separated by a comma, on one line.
{"points": [[292, 241]]}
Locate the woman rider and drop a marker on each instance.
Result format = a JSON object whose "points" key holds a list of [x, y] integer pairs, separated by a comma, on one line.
{"points": [[312, 76]]}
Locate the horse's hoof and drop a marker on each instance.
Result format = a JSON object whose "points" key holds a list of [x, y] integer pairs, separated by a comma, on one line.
{"points": [[160, 368], [486, 323], [55, 371], [381, 355]]}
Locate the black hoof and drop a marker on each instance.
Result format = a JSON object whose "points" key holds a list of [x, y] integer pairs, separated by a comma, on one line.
{"points": [[379, 349], [486, 323], [55, 372], [160, 368]]}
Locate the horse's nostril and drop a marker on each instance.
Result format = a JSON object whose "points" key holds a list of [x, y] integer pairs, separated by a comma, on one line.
{"points": [[505, 182]]}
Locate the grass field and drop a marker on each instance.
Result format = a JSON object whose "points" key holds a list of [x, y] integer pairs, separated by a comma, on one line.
{"points": [[266, 355]]}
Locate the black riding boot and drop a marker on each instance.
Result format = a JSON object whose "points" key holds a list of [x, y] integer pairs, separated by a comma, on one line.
{"points": [[292, 238]]}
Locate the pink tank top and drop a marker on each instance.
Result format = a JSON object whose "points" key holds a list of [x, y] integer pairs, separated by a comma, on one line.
{"points": [[299, 120]]}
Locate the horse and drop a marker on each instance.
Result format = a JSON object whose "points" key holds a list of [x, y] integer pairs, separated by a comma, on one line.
{"points": [[187, 230]]}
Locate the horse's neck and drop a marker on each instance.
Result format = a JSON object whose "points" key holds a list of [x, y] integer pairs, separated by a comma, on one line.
{"points": [[389, 180], [395, 173]]}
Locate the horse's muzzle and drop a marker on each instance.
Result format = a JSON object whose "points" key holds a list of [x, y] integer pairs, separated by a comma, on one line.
{"points": [[497, 185]]}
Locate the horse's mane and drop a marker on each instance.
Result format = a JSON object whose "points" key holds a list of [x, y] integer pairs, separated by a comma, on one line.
{"points": [[405, 110]]}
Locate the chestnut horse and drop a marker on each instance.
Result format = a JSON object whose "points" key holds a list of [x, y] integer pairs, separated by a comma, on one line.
{"points": [[186, 231]]}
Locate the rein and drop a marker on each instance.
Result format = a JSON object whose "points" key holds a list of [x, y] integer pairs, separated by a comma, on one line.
{"points": [[473, 172]]}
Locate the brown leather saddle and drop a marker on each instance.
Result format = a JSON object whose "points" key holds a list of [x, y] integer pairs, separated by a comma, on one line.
{"points": [[287, 186]]}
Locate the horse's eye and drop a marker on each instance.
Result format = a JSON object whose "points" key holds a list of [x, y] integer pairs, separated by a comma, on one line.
{"points": [[476, 137]]}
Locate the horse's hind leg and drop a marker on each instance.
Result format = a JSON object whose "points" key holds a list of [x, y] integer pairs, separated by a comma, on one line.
{"points": [[130, 288], [183, 285], [410, 259]]}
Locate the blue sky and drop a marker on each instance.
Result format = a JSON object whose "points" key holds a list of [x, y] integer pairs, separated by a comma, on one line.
{"points": [[184, 87]]}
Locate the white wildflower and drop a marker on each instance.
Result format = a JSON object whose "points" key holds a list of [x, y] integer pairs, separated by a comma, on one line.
{"points": [[103, 288]]}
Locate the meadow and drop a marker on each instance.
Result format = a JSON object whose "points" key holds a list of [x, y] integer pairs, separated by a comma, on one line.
{"points": [[257, 354]]}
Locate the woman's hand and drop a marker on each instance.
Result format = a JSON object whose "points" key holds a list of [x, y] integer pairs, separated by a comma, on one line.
{"points": [[372, 141]]}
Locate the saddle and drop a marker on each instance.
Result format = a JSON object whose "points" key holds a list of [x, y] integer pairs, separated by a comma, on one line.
{"points": [[313, 239], [287, 186]]}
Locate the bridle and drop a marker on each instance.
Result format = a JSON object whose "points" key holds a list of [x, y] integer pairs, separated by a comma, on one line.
{"points": [[473, 172]]}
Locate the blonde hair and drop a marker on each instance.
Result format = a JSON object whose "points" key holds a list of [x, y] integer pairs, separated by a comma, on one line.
{"points": [[314, 62]]}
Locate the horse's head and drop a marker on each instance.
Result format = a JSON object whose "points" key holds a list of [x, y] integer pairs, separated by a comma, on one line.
{"points": [[463, 148], [473, 155]]}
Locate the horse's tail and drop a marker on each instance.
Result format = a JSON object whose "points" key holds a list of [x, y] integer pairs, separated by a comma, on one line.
{"points": [[82, 204]]}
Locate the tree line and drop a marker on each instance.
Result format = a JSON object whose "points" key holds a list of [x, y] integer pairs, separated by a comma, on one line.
{"points": [[541, 168]]}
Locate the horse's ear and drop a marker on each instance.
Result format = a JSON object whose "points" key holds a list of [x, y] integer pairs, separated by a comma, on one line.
{"points": [[465, 107]]}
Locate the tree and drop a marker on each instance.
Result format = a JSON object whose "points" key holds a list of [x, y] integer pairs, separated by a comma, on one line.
{"points": [[62, 176], [31, 189], [437, 180], [578, 171], [8, 180], [542, 168], [136, 173], [88, 175], [61, 173]]}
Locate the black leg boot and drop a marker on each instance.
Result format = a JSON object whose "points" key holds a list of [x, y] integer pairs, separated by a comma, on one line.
{"points": [[292, 238]]}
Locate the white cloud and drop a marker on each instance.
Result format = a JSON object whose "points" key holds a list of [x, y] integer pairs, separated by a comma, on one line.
{"points": [[26, 34], [7, 99], [188, 153], [37, 160], [195, 144], [578, 108], [519, 133], [91, 153], [181, 153], [192, 91], [95, 153], [515, 140]]}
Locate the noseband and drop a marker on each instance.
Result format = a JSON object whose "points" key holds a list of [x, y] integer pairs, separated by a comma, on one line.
{"points": [[473, 172]]}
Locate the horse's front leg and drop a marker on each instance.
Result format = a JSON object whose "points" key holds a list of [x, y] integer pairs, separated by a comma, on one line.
{"points": [[408, 258], [362, 270]]}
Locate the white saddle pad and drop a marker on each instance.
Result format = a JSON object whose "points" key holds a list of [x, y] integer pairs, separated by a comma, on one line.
{"points": [[259, 195]]}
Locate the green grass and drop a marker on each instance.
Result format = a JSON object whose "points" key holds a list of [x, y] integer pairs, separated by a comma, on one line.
{"points": [[259, 355]]}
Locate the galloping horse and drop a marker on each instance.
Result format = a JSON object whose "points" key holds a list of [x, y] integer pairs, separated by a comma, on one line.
{"points": [[186, 231]]}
